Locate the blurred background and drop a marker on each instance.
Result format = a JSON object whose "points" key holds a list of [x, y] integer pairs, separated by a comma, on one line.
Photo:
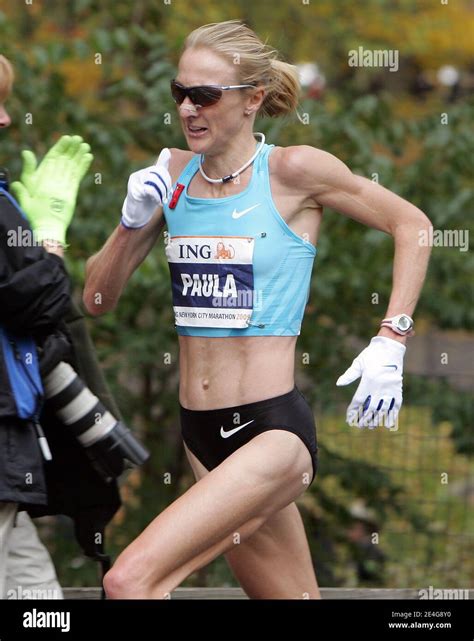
{"points": [[388, 509]]}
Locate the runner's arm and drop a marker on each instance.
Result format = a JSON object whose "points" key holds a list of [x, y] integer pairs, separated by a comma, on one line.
{"points": [[108, 271], [330, 183]]}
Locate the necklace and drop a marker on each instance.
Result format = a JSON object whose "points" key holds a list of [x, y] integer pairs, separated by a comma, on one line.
{"points": [[226, 179]]}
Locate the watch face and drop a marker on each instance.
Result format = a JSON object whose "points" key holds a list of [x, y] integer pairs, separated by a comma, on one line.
{"points": [[404, 323]]}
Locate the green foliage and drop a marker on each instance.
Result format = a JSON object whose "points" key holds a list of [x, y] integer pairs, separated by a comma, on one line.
{"points": [[455, 408]]}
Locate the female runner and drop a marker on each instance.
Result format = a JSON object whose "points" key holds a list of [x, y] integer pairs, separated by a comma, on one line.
{"points": [[242, 227]]}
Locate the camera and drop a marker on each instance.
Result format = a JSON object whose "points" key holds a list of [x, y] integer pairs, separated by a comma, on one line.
{"points": [[108, 443]]}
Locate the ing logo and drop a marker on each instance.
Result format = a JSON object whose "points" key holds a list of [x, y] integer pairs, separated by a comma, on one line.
{"points": [[222, 252]]}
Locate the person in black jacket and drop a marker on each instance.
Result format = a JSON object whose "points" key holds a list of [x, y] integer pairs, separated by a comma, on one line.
{"points": [[34, 296], [43, 469]]}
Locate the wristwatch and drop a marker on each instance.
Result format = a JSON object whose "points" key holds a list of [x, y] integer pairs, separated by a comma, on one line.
{"points": [[401, 324]]}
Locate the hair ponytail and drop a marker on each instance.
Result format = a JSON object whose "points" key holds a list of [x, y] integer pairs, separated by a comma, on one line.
{"points": [[283, 90]]}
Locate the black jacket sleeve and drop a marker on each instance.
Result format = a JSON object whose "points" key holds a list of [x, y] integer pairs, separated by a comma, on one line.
{"points": [[34, 284]]}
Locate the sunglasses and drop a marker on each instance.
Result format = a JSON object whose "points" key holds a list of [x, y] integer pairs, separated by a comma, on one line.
{"points": [[204, 95]]}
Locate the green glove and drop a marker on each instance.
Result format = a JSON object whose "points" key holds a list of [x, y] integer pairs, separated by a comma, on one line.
{"points": [[48, 193]]}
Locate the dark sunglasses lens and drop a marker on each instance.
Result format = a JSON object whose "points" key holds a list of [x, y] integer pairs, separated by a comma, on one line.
{"points": [[205, 96], [178, 92]]}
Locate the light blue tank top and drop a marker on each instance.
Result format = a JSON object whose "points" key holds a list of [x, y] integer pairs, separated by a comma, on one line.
{"points": [[237, 269]]}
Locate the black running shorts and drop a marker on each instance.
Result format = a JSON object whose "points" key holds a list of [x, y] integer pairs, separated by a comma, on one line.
{"points": [[213, 435]]}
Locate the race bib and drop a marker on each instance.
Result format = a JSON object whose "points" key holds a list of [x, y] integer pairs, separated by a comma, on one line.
{"points": [[212, 280]]}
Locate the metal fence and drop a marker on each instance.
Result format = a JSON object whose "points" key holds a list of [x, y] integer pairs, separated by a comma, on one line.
{"points": [[418, 530]]}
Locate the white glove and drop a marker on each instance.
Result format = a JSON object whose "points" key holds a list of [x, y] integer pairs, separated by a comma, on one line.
{"points": [[378, 398], [147, 189]]}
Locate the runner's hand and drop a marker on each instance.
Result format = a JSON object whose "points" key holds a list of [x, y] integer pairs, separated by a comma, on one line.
{"points": [[147, 189], [378, 398]]}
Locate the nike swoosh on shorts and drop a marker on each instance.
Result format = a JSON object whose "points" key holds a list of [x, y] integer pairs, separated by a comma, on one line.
{"points": [[236, 429]]}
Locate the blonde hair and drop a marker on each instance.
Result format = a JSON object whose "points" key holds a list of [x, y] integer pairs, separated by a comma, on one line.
{"points": [[257, 63], [6, 77]]}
